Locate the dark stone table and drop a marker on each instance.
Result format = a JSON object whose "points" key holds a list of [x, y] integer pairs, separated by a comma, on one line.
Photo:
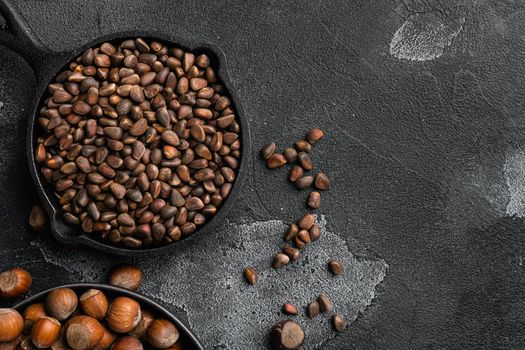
{"points": [[423, 106]]}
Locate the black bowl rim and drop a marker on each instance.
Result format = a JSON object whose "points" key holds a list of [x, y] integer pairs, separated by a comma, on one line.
{"points": [[54, 62], [188, 334]]}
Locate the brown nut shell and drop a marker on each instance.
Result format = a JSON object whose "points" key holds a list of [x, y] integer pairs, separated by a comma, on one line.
{"points": [[94, 303], [45, 332], [38, 217], [162, 334], [123, 315], [125, 276], [287, 335], [61, 303], [107, 340], [145, 321], [127, 343], [83, 332], [32, 313], [14, 283], [11, 325]]}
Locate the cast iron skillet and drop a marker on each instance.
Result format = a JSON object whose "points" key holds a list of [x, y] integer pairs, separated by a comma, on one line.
{"points": [[46, 64], [187, 338]]}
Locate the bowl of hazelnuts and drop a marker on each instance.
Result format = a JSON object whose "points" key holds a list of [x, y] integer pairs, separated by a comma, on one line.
{"points": [[88, 316]]}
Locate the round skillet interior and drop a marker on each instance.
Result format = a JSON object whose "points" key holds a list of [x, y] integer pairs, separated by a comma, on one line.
{"points": [[55, 63]]}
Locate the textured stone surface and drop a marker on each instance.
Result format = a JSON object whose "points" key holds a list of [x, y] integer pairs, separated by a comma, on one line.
{"points": [[426, 155], [207, 283]]}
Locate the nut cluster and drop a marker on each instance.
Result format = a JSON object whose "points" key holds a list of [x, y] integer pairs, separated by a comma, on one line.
{"points": [[289, 334], [300, 155], [305, 230], [301, 233], [140, 142], [67, 321]]}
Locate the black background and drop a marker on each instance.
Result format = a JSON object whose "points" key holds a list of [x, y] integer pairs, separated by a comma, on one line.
{"points": [[417, 150]]}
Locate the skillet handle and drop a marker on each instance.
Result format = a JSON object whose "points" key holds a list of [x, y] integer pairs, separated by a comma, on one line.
{"points": [[19, 37]]}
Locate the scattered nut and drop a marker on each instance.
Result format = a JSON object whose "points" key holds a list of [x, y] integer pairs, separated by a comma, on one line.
{"points": [[314, 200], [290, 309], [293, 253], [325, 304], [280, 260], [338, 323], [290, 154], [14, 283], [306, 221], [303, 146], [275, 161], [315, 135], [267, 151], [251, 275], [38, 219], [125, 276], [287, 335], [291, 233], [322, 181], [315, 232], [313, 309], [304, 182], [336, 267], [296, 173]]}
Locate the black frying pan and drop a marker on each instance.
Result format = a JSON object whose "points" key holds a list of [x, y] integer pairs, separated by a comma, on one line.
{"points": [[46, 64], [187, 338]]}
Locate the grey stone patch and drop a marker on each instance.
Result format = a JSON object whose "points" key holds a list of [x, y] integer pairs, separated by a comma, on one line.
{"points": [[514, 169], [424, 37], [222, 309]]}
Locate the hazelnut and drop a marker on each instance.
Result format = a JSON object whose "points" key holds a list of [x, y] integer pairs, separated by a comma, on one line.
{"points": [[176, 346], [11, 325], [14, 283], [32, 313], [61, 303], [127, 343], [123, 315], [107, 339], [162, 334], [125, 276], [45, 332], [94, 303], [83, 332], [145, 321]]}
